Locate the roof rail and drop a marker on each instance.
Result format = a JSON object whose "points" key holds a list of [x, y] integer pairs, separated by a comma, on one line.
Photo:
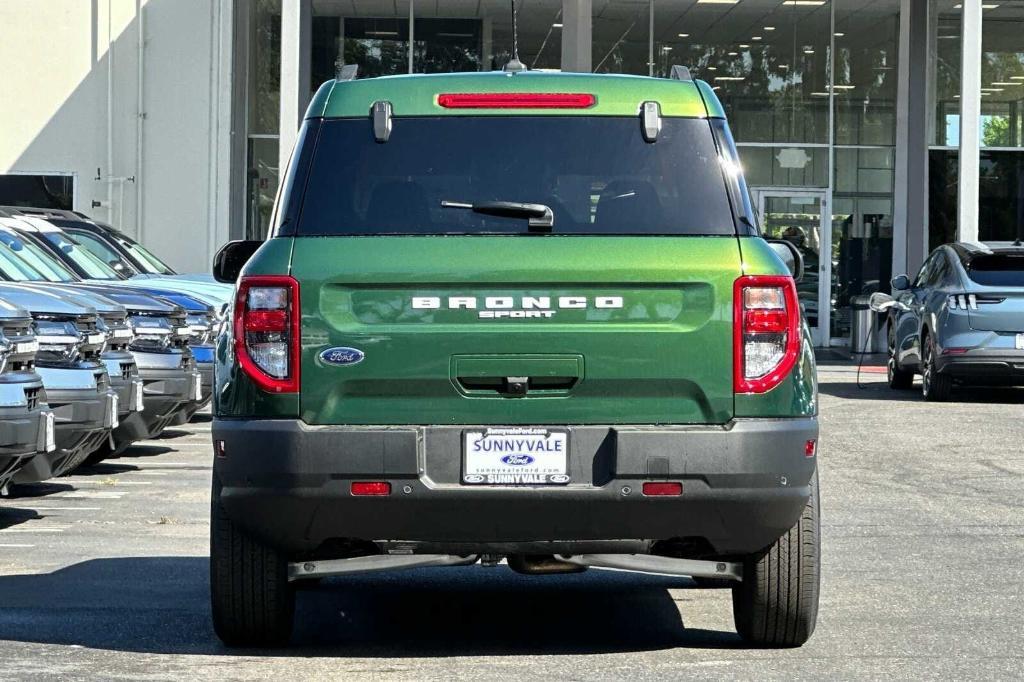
{"points": [[680, 73], [347, 72], [42, 212]]}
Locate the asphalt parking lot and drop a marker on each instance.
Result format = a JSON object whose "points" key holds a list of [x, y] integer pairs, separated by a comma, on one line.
{"points": [[104, 574]]}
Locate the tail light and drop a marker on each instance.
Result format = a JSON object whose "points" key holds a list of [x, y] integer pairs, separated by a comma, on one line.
{"points": [[766, 331], [517, 100], [267, 331]]}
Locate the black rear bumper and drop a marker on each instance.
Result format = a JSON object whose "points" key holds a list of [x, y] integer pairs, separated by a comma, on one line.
{"points": [[287, 483], [1002, 368]]}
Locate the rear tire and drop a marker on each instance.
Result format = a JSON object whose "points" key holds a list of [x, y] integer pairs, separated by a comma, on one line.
{"points": [[899, 379], [935, 387], [776, 605], [253, 603]]}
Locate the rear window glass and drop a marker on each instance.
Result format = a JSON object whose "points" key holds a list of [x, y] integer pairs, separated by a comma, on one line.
{"points": [[596, 174], [997, 271]]}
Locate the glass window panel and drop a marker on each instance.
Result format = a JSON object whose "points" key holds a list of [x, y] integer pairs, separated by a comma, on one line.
{"points": [[539, 29], [621, 36], [785, 166], [448, 36], [867, 49], [769, 65], [265, 68], [1001, 201], [261, 186], [1002, 74]]}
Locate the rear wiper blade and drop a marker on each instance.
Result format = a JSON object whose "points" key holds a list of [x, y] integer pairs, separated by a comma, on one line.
{"points": [[540, 217]]}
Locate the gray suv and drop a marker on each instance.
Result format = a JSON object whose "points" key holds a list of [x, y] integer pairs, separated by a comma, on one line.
{"points": [[26, 423], [961, 320]]}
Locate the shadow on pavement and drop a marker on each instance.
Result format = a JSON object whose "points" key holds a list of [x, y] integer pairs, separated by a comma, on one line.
{"points": [[104, 468], [872, 388], [13, 516], [160, 605], [145, 451], [24, 491], [171, 434]]}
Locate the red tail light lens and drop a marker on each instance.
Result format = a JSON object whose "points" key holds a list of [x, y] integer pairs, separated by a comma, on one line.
{"points": [[516, 100], [266, 326], [767, 331], [666, 488], [364, 488]]}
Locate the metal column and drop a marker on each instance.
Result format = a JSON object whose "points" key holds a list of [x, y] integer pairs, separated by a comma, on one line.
{"points": [[910, 210], [970, 121], [576, 36], [296, 50]]}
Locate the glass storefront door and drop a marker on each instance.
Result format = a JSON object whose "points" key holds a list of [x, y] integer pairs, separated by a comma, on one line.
{"points": [[801, 217]]}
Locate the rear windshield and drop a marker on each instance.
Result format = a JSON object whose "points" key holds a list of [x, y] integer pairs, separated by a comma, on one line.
{"points": [[596, 174], [997, 271]]}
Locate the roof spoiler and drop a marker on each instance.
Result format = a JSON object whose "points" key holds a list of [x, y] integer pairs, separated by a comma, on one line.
{"points": [[347, 72], [680, 73]]}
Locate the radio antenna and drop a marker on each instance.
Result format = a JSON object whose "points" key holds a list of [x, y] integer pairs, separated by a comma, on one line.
{"points": [[514, 64]]}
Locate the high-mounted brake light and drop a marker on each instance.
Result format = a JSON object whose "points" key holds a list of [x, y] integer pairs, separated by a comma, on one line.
{"points": [[517, 100], [766, 331], [266, 327]]}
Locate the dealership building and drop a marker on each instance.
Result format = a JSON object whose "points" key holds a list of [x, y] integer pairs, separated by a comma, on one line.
{"points": [[170, 119]]}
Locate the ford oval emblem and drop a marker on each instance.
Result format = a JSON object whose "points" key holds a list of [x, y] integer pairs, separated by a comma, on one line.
{"points": [[473, 478], [517, 460], [342, 355]]}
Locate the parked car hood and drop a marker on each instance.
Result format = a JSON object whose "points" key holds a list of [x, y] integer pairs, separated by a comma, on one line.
{"points": [[41, 298]]}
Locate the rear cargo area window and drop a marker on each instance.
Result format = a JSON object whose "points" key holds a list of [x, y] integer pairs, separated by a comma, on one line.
{"points": [[997, 270], [596, 174]]}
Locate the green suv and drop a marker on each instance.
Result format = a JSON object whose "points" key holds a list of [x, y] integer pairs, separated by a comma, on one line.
{"points": [[515, 316]]}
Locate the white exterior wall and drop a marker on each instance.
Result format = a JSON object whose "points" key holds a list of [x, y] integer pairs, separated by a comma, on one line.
{"points": [[54, 60]]}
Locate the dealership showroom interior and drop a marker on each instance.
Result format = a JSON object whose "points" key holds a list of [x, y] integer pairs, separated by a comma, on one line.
{"points": [[427, 339]]}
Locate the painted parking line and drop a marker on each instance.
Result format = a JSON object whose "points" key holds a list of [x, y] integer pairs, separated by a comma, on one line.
{"points": [[89, 496], [16, 546], [45, 529], [67, 508], [114, 484]]}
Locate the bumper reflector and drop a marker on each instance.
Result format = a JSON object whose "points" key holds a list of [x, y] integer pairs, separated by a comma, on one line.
{"points": [[371, 488], [810, 448], [663, 488]]}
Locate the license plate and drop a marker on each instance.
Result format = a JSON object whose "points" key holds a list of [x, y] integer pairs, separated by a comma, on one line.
{"points": [[49, 439], [26, 347], [112, 401], [515, 456], [137, 404], [1020, 341]]}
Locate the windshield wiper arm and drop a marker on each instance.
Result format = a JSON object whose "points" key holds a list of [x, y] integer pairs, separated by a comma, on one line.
{"points": [[540, 217]]}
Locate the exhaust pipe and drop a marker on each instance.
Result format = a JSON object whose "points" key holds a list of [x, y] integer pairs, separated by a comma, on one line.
{"points": [[661, 565], [377, 562]]}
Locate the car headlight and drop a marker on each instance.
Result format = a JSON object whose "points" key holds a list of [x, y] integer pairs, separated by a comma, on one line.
{"points": [[150, 333], [59, 341], [200, 328]]}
